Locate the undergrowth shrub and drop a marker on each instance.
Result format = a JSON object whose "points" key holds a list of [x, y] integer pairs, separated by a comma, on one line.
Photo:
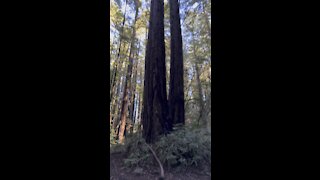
{"points": [[112, 136], [184, 147]]}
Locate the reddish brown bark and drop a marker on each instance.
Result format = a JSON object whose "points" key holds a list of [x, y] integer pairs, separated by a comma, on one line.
{"points": [[155, 97], [127, 85]]}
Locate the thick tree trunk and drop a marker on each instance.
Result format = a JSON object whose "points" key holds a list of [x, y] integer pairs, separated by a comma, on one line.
{"points": [[176, 88], [127, 85], [155, 96]]}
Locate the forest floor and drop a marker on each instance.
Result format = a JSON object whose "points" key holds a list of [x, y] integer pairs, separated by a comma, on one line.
{"points": [[118, 171]]}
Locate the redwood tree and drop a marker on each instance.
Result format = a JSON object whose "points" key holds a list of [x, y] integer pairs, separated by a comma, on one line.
{"points": [[127, 85], [155, 108], [176, 88], [115, 69]]}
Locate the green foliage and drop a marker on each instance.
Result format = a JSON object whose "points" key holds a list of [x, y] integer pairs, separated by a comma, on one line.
{"points": [[185, 147], [137, 152], [112, 136], [117, 148]]}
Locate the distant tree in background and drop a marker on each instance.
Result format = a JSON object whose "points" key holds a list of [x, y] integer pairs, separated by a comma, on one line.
{"points": [[127, 83]]}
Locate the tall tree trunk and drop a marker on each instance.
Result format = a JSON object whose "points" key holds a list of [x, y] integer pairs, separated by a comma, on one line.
{"points": [[176, 88], [127, 85], [114, 74], [111, 51], [118, 91], [155, 96], [206, 18], [139, 114], [207, 112], [201, 102], [189, 88], [133, 94], [199, 85], [113, 106], [118, 96], [117, 108]]}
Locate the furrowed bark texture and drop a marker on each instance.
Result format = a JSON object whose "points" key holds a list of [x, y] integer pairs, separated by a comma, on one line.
{"points": [[176, 88], [155, 97]]}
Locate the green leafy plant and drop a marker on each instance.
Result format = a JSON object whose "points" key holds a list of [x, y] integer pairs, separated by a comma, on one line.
{"points": [[112, 136], [184, 147]]}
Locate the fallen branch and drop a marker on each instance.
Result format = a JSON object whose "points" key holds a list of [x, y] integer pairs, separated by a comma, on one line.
{"points": [[155, 156]]}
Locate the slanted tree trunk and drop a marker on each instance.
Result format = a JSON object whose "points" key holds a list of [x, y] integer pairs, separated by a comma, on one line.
{"points": [[176, 88], [155, 107], [127, 85]]}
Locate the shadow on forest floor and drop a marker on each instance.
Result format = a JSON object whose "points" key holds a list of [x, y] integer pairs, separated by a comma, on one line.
{"points": [[118, 171]]}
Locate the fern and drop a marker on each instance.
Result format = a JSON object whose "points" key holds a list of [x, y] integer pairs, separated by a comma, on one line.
{"points": [[185, 147]]}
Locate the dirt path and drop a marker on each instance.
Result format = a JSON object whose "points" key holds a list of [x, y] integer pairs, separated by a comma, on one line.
{"points": [[119, 172]]}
